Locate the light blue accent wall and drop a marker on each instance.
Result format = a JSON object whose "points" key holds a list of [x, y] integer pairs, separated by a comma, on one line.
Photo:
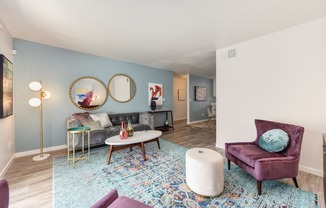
{"points": [[58, 68], [197, 108]]}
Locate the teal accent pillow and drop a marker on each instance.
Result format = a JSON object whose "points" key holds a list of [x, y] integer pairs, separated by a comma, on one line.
{"points": [[275, 140]]}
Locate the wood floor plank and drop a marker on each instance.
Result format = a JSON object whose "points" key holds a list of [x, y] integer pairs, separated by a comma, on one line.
{"points": [[30, 182]]}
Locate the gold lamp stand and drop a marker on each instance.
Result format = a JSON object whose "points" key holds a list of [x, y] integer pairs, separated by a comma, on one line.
{"points": [[37, 102]]}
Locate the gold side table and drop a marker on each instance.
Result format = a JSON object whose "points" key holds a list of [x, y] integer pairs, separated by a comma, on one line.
{"points": [[78, 130]]}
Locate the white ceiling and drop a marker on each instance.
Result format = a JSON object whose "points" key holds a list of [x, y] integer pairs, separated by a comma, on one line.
{"points": [[177, 35]]}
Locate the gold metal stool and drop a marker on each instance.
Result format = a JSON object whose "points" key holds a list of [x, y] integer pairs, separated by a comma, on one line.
{"points": [[78, 130]]}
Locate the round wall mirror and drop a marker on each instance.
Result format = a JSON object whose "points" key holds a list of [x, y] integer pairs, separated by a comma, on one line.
{"points": [[88, 93], [122, 88]]}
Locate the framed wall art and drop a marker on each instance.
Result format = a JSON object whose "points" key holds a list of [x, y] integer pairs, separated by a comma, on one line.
{"points": [[200, 93], [155, 92], [6, 87], [84, 94], [181, 95]]}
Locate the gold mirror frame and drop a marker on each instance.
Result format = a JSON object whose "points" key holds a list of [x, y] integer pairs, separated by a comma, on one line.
{"points": [[132, 92], [85, 78]]}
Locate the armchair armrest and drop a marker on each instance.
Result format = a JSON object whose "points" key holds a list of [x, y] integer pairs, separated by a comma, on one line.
{"points": [[276, 168], [106, 200], [238, 143], [230, 156]]}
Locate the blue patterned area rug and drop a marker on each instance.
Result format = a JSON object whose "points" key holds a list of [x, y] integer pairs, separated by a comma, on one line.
{"points": [[160, 182]]}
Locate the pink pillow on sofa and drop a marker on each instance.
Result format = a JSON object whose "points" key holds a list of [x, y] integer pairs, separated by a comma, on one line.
{"points": [[83, 118]]}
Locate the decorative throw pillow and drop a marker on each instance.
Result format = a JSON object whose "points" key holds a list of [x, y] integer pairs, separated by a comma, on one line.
{"points": [[82, 117], [74, 123], [103, 118], [94, 125], [275, 140]]}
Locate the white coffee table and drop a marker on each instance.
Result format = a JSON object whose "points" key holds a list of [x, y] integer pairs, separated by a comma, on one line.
{"points": [[138, 139]]}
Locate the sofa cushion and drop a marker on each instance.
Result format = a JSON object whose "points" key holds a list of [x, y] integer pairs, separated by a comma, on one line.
{"points": [[117, 118], [103, 118], [250, 153], [94, 125], [82, 117], [274, 140], [140, 127], [99, 136], [125, 202], [73, 123]]}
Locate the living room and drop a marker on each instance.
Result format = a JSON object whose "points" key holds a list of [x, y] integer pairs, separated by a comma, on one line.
{"points": [[277, 74]]}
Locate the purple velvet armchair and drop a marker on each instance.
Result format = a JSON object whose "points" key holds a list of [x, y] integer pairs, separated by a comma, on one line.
{"points": [[112, 200], [264, 165], [4, 194]]}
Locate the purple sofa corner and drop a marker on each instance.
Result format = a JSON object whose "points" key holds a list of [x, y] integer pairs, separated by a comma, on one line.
{"points": [[112, 200], [4, 193]]}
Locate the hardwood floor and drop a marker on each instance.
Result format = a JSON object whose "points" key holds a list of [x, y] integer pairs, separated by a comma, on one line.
{"points": [[31, 182]]}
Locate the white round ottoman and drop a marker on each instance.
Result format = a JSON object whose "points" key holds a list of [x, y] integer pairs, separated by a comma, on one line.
{"points": [[204, 171]]}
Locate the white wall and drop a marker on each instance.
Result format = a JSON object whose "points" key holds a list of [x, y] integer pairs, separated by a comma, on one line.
{"points": [[180, 107], [7, 128], [279, 77]]}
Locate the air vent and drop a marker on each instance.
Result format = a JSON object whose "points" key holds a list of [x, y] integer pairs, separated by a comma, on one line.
{"points": [[228, 54]]}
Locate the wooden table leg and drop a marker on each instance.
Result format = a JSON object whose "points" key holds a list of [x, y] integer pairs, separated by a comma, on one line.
{"points": [[158, 143], [110, 153], [143, 149], [130, 148]]}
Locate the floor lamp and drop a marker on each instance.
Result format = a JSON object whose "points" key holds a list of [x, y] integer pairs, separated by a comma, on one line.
{"points": [[37, 102]]}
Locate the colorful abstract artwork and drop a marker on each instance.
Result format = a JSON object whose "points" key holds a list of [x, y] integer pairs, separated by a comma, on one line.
{"points": [[84, 95], [155, 92], [6, 87], [200, 93]]}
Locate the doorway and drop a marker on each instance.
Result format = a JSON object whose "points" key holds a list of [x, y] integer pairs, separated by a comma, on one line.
{"points": [[180, 90]]}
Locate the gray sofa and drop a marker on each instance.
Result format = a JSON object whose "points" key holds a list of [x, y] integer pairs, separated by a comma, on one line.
{"points": [[139, 122]]}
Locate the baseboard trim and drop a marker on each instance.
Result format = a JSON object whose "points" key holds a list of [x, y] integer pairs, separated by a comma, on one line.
{"points": [[37, 151], [311, 170], [193, 122], [222, 147], [180, 119], [3, 172]]}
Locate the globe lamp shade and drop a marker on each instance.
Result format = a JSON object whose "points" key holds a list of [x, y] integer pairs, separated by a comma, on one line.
{"points": [[46, 95], [34, 102], [35, 86]]}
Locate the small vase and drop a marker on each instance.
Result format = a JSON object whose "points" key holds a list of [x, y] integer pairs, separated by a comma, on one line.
{"points": [[166, 123], [130, 130], [123, 131], [153, 105]]}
